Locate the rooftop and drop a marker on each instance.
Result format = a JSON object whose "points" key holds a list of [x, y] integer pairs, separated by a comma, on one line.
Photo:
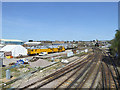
{"points": [[14, 40], [32, 43]]}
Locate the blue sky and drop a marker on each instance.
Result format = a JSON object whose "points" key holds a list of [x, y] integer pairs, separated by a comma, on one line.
{"points": [[59, 21]]}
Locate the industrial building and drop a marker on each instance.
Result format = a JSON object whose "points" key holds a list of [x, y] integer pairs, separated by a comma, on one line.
{"points": [[14, 50], [11, 41], [32, 43]]}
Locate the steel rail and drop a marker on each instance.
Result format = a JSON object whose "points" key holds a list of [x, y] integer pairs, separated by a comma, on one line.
{"points": [[87, 76], [85, 69], [54, 78], [80, 74], [69, 76], [115, 68], [95, 77], [111, 74], [55, 75]]}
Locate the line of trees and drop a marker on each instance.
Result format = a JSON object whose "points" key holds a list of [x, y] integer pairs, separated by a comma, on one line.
{"points": [[115, 45]]}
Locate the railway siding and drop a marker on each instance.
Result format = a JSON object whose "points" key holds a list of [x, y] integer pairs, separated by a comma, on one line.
{"points": [[95, 70], [33, 81]]}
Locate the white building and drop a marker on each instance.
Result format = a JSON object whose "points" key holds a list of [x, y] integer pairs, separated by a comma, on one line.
{"points": [[16, 50], [32, 43], [11, 41]]}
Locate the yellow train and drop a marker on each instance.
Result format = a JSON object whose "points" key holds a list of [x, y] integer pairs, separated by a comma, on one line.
{"points": [[48, 49]]}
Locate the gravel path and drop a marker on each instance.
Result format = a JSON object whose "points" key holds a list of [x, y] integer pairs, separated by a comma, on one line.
{"points": [[40, 63]]}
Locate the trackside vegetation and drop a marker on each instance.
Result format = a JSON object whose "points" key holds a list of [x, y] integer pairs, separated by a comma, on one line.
{"points": [[115, 45]]}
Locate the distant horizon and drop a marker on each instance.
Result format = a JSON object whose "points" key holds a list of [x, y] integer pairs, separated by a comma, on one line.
{"points": [[56, 40], [63, 21]]}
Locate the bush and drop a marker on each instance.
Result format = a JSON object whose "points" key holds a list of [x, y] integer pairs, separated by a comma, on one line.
{"points": [[115, 44]]}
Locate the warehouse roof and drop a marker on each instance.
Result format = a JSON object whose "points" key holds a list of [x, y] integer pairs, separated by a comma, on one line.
{"points": [[32, 43], [9, 47], [14, 40], [15, 49]]}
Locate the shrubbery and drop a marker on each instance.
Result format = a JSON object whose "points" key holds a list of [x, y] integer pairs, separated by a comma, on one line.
{"points": [[115, 44]]}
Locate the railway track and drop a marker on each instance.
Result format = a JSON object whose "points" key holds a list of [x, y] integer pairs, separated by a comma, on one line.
{"points": [[76, 72], [109, 73], [83, 77], [115, 69], [39, 86], [93, 72], [108, 77], [57, 74]]}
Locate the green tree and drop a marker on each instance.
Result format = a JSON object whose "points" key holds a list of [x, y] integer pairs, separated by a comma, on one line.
{"points": [[115, 47], [118, 42]]}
